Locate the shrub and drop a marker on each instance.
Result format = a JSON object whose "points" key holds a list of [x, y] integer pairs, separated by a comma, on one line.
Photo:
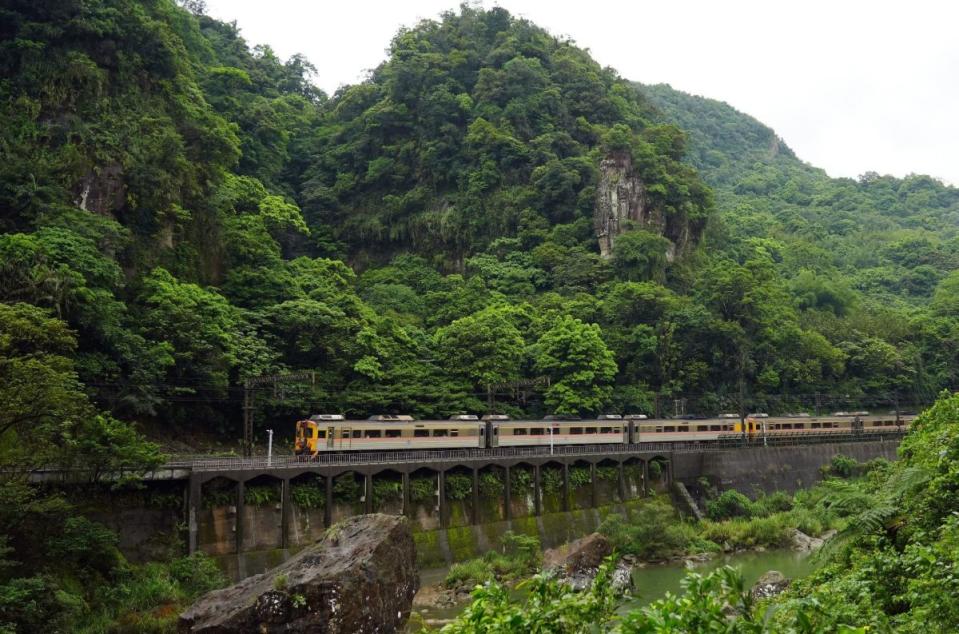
{"points": [[491, 484], [422, 489], [346, 488], [579, 477], [552, 479], [777, 502], [197, 574], [520, 481], [386, 490], [458, 486], [261, 495], [308, 496], [524, 548], [728, 505], [654, 531], [843, 466]]}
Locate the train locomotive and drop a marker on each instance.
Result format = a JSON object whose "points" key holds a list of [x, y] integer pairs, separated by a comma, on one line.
{"points": [[333, 433]]}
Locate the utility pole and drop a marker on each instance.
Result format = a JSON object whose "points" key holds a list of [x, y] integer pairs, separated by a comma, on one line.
{"points": [[249, 385]]}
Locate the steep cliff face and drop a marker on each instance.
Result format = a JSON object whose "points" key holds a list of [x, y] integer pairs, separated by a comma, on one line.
{"points": [[622, 204]]}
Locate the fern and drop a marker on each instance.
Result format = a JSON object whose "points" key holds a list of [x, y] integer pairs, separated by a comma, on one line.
{"points": [[872, 512]]}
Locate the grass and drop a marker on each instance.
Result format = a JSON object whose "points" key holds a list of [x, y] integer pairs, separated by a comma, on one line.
{"points": [[517, 556], [150, 598]]}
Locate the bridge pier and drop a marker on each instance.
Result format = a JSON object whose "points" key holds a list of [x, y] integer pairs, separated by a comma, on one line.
{"points": [[240, 512], [407, 511], [368, 491], [441, 495], [622, 481], [286, 510], [328, 507], [565, 486], [537, 492], [474, 508], [593, 496], [645, 478], [508, 511], [194, 492]]}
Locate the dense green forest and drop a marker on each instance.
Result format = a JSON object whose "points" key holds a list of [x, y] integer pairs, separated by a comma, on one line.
{"points": [[197, 212], [181, 211]]}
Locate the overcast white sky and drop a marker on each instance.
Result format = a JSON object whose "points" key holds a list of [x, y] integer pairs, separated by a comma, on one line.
{"points": [[851, 86]]}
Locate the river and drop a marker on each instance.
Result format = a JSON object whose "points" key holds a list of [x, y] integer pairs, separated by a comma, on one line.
{"points": [[653, 581]]}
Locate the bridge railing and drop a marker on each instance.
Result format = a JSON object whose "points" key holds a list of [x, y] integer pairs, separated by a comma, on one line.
{"points": [[724, 443]]}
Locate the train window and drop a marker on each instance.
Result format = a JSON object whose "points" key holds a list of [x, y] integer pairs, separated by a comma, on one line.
{"points": [[590, 430], [321, 434], [659, 429], [420, 433], [605, 430], [669, 428], [799, 425], [519, 431], [393, 433], [439, 432], [357, 433], [705, 427], [373, 433], [537, 431], [714, 428], [878, 423], [454, 432], [346, 433], [576, 430], [787, 426], [815, 425]]}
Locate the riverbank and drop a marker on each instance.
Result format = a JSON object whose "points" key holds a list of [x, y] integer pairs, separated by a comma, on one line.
{"points": [[658, 545]]}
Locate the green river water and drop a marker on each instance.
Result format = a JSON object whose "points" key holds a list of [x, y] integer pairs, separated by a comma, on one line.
{"points": [[653, 581]]}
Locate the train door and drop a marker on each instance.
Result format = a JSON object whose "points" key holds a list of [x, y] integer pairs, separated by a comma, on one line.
{"points": [[329, 437], [346, 438]]}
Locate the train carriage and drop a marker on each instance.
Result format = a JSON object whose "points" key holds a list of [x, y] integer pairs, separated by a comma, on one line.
{"points": [[333, 433], [524, 433]]}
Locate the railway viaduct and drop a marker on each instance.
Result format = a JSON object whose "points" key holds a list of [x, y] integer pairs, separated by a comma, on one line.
{"points": [[249, 504]]}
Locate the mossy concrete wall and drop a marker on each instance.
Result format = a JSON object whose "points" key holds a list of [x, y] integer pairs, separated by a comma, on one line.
{"points": [[442, 547]]}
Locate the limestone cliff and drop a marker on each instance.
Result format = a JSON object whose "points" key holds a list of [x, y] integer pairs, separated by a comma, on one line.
{"points": [[622, 204]]}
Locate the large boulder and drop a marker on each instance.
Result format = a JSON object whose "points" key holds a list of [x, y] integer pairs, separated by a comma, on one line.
{"points": [[577, 563], [770, 584], [804, 543], [361, 577], [584, 555]]}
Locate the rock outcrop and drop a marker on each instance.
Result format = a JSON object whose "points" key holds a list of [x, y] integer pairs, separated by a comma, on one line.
{"points": [[577, 563], [622, 203], [584, 555], [770, 584], [361, 577], [620, 198], [804, 543]]}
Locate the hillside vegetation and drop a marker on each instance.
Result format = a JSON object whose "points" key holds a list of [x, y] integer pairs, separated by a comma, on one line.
{"points": [[197, 212], [489, 209]]}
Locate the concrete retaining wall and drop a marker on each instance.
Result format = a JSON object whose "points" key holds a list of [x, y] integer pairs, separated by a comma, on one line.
{"points": [[768, 469]]}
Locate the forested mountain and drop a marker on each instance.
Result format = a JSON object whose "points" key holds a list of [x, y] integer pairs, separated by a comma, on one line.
{"points": [[489, 206], [488, 210], [893, 239]]}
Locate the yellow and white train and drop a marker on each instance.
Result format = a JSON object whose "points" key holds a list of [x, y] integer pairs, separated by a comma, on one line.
{"points": [[326, 433]]}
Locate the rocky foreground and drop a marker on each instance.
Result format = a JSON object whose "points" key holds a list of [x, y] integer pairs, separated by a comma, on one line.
{"points": [[361, 577]]}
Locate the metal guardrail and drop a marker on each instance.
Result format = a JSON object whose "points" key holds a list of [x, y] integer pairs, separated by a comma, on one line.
{"points": [[195, 463]]}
